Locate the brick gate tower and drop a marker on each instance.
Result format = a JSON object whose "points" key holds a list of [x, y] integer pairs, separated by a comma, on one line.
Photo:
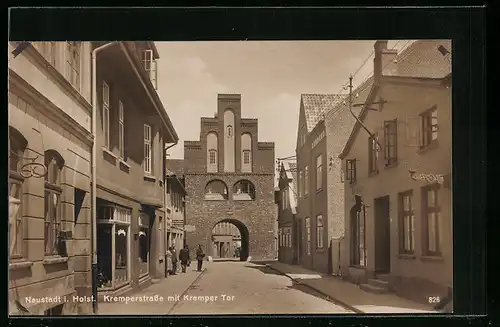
{"points": [[229, 177]]}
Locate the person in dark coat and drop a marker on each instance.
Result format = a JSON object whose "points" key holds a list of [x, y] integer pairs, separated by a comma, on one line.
{"points": [[200, 255], [184, 258], [174, 260]]}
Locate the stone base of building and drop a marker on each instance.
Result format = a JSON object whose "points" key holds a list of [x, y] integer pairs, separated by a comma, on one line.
{"points": [[417, 289]]}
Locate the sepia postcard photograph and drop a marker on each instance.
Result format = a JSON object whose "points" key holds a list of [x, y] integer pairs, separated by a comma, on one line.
{"points": [[230, 177]]}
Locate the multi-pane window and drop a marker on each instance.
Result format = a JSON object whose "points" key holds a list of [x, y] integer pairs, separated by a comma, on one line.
{"points": [[121, 130], [150, 65], [73, 51], [358, 223], [391, 142], [372, 154], [406, 223], [17, 146], [308, 236], [429, 127], [430, 219], [301, 183], [147, 149], [246, 157], [212, 156], [105, 114], [319, 231], [351, 170], [53, 192], [306, 180], [319, 172]]}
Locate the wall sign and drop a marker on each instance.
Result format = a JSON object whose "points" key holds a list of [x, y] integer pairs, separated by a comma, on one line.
{"points": [[429, 178], [318, 139]]}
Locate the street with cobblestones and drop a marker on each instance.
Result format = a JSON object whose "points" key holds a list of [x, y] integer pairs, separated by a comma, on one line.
{"points": [[228, 288]]}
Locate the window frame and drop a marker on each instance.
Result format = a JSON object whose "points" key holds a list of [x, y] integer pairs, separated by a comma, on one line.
{"points": [[427, 126], [406, 217], [148, 142], [308, 235], [319, 232], [52, 213], [210, 153], [17, 147], [106, 104], [121, 129], [301, 183], [246, 155], [426, 211], [391, 142], [351, 170], [319, 172], [306, 181], [73, 64], [372, 154]]}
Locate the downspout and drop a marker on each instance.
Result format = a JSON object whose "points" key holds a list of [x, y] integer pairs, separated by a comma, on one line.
{"points": [[165, 185], [94, 174]]}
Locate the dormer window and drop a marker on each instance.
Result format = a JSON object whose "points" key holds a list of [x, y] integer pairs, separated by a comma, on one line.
{"points": [[150, 65]]}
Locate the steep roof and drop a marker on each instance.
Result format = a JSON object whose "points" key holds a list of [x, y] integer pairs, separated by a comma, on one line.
{"points": [[422, 59], [175, 167], [316, 105]]}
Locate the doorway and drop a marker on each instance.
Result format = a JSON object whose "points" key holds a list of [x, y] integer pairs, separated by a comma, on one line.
{"points": [[382, 229]]}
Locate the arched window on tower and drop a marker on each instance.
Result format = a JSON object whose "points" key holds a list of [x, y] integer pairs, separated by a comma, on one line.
{"points": [[246, 153], [212, 153], [216, 190], [244, 190]]}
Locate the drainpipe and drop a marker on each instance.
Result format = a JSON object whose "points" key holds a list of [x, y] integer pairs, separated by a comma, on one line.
{"points": [[94, 174], [165, 185]]}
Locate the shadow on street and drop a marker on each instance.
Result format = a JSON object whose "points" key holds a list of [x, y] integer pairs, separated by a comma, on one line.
{"points": [[265, 270]]}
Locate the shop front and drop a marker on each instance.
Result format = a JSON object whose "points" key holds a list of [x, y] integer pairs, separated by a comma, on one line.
{"points": [[113, 247]]}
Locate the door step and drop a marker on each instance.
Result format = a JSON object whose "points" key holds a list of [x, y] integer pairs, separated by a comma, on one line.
{"points": [[372, 289], [379, 283]]}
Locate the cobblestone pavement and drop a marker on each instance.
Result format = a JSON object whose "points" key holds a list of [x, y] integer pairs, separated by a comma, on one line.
{"points": [[248, 288]]}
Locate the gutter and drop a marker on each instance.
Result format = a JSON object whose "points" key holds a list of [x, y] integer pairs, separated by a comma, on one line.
{"points": [[152, 95], [94, 173]]}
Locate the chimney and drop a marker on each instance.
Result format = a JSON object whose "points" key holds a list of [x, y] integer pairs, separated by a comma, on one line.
{"points": [[384, 62]]}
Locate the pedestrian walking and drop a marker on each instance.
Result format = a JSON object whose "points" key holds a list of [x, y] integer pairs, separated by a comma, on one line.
{"points": [[184, 258], [174, 260], [200, 255], [169, 261]]}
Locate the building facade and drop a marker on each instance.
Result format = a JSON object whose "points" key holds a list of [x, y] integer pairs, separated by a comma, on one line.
{"points": [[339, 122], [50, 143], [398, 198], [287, 211], [175, 203], [230, 178], [312, 218], [133, 130]]}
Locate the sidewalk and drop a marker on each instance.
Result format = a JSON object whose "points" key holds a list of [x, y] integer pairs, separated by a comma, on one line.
{"points": [[167, 288], [348, 294]]}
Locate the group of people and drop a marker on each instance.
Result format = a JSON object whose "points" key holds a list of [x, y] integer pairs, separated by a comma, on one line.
{"points": [[184, 257]]}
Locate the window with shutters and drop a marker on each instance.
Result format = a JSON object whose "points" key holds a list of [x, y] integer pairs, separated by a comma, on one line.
{"points": [[429, 127], [351, 170], [406, 223], [147, 150], [430, 220], [391, 142]]}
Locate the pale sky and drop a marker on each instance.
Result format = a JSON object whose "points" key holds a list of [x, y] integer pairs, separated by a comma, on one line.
{"points": [[270, 76]]}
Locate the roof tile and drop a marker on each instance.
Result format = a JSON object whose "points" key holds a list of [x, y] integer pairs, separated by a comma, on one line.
{"points": [[316, 105]]}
